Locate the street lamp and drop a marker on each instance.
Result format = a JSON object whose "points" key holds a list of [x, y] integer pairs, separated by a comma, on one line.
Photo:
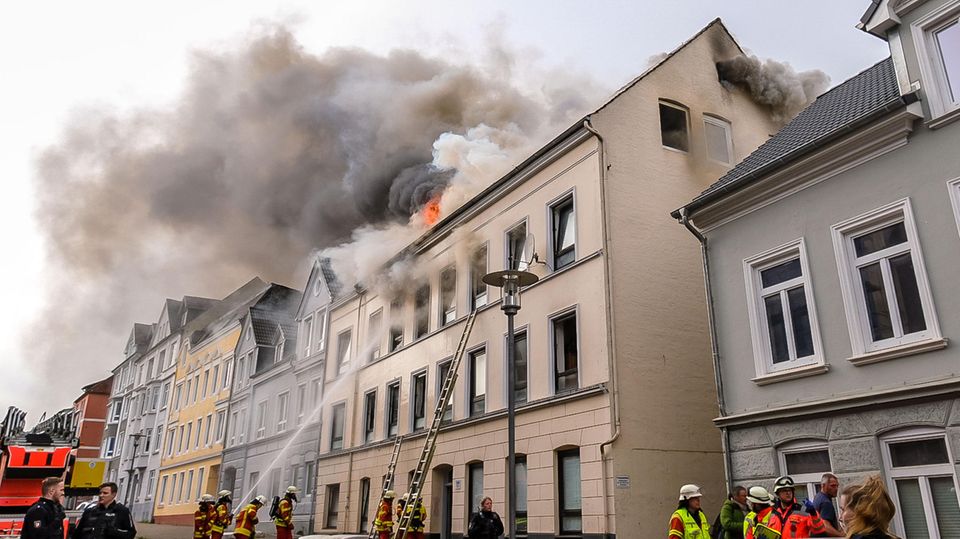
{"points": [[136, 443], [510, 281]]}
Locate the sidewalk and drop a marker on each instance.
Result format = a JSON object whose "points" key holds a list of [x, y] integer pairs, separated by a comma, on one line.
{"points": [[167, 531]]}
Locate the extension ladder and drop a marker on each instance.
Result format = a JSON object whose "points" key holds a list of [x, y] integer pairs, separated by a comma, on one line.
{"points": [[430, 443], [387, 481]]}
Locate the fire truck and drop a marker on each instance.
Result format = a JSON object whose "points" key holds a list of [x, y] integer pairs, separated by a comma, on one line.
{"points": [[27, 457]]}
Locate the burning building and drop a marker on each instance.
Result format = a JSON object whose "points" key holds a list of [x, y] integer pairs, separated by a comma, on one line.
{"points": [[615, 382]]}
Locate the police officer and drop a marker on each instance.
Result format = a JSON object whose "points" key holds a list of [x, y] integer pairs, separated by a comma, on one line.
{"points": [[106, 520], [44, 519]]}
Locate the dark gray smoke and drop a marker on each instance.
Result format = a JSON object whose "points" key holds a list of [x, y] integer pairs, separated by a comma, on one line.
{"points": [[269, 153], [774, 84]]}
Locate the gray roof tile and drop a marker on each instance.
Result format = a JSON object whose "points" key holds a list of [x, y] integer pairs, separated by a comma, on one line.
{"points": [[858, 99]]}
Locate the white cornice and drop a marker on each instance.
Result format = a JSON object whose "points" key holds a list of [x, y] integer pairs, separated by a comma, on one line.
{"points": [[861, 146]]}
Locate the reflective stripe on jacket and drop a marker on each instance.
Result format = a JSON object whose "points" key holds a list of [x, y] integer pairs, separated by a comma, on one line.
{"points": [[753, 518], [285, 508], [200, 523], [221, 518], [384, 520], [691, 530], [247, 521], [793, 522]]}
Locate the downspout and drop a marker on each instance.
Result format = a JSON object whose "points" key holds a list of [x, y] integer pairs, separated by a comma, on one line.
{"points": [[714, 344], [608, 290]]}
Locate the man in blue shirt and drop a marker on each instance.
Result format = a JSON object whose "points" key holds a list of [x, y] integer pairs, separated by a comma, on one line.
{"points": [[829, 486]]}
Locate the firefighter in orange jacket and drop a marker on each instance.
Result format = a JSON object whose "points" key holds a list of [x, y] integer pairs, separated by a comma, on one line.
{"points": [[221, 515], [201, 518], [284, 519], [790, 518], [383, 524], [246, 525]]}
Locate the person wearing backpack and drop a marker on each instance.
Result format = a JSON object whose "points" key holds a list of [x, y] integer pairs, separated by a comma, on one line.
{"points": [[246, 526], [283, 514], [731, 515]]}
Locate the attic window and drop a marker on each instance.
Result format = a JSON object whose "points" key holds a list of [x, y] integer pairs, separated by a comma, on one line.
{"points": [[317, 286], [673, 127]]}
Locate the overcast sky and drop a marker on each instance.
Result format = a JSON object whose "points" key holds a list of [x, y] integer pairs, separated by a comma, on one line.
{"points": [[58, 56]]}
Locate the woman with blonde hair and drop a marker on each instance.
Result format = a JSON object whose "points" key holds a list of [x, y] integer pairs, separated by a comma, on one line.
{"points": [[868, 511]]}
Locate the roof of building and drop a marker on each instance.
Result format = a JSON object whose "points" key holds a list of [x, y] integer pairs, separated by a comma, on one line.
{"points": [[330, 277], [274, 312], [101, 387], [226, 311], [855, 102]]}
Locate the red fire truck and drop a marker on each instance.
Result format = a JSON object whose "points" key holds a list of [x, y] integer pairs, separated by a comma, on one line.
{"points": [[27, 457]]}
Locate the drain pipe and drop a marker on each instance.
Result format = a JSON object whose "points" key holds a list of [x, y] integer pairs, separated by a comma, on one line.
{"points": [[714, 344], [611, 364]]}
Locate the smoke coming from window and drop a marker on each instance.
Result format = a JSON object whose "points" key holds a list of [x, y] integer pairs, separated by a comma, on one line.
{"points": [[774, 84]]}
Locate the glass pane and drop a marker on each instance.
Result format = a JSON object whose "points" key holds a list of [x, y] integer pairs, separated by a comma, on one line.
{"points": [[807, 462], [565, 353], [419, 401], [479, 374], [908, 295], [945, 506], [777, 329], [948, 41], [422, 311], [564, 226], [911, 509], [919, 453], [673, 127], [781, 273], [881, 327], [802, 337], [521, 467], [520, 368], [800, 492], [476, 486], [878, 240], [570, 468], [515, 242], [717, 147]]}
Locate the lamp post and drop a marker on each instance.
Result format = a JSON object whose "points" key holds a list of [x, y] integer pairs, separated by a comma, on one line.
{"points": [[510, 281], [136, 443]]}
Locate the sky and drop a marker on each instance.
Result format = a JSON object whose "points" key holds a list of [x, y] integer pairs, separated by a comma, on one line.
{"points": [[60, 57]]}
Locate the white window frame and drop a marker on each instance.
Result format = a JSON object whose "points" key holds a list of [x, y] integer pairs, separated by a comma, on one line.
{"points": [[861, 339], [322, 329], [727, 127], [301, 402], [261, 420], [551, 340], [571, 196], [931, 71], [283, 405], [109, 447], [953, 186], [810, 480], [525, 330], [759, 331], [686, 113], [426, 407], [308, 333], [921, 473], [344, 354], [525, 223], [476, 301], [446, 316]]}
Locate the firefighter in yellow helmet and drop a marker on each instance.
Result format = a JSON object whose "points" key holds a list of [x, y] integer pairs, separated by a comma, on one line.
{"points": [[689, 521], [383, 524], [246, 525]]}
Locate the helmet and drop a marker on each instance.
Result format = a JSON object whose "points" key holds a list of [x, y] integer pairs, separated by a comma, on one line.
{"points": [[389, 495], [223, 493], [405, 498], [783, 482], [758, 495], [292, 490], [689, 491], [261, 499], [207, 498]]}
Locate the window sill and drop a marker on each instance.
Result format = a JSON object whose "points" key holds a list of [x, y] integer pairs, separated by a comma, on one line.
{"points": [[898, 351], [944, 119], [792, 374]]}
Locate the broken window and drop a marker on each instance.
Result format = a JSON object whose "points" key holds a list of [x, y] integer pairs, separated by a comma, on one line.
{"points": [[422, 311], [448, 296], [673, 127], [396, 324]]}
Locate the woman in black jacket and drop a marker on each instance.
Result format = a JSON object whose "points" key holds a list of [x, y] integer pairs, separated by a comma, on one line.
{"points": [[485, 524]]}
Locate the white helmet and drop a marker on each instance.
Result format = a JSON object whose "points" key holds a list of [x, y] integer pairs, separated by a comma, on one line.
{"points": [[223, 493], [759, 495], [261, 499], [207, 498], [389, 495], [292, 490], [689, 491]]}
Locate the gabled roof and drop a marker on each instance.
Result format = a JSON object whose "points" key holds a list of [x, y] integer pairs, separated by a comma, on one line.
{"points": [[225, 311], [101, 387], [856, 102], [330, 278], [321, 270], [275, 313]]}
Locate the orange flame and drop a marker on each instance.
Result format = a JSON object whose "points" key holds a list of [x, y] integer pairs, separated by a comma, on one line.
{"points": [[431, 211]]}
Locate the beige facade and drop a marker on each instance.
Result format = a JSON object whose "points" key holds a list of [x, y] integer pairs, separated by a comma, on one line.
{"points": [[620, 389]]}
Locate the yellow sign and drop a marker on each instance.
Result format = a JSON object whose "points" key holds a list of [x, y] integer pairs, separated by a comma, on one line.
{"points": [[87, 473]]}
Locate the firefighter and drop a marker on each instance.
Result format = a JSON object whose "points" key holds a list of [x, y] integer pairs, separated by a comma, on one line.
{"points": [[246, 525], [689, 521], [222, 515], [201, 518], [790, 518], [284, 519], [44, 519], [417, 515], [761, 504], [383, 524], [106, 520]]}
